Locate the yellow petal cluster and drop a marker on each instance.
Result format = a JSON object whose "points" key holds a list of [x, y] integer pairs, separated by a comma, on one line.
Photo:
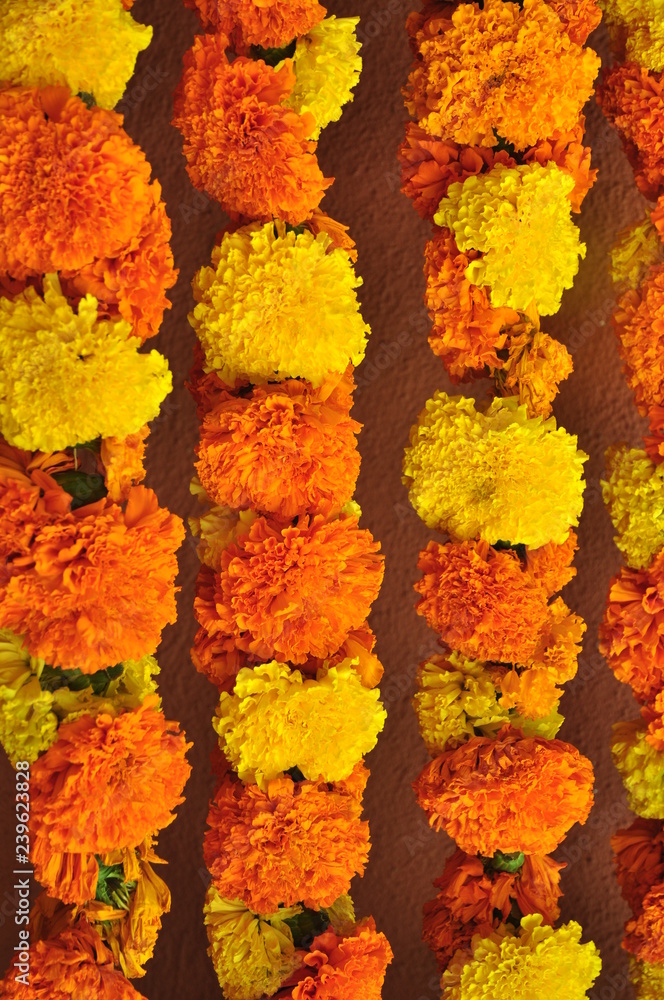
{"points": [[635, 251], [634, 494], [217, 527], [647, 979], [278, 304], [276, 719], [538, 963], [67, 377], [90, 47], [327, 66], [639, 25], [252, 955], [500, 474], [641, 768], [519, 218]]}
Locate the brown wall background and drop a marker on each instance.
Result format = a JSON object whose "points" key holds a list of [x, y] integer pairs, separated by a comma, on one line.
{"points": [[398, 375]]}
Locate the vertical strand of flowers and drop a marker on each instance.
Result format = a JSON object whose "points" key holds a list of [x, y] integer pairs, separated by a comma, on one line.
{"points": [[88, 560], [632, 98], [288, 576], [494, 159]]}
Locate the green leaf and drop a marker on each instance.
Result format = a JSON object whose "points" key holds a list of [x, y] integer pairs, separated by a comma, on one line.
{"points": [[54, 678], [307, 925], [83, 487], [273, 56]]}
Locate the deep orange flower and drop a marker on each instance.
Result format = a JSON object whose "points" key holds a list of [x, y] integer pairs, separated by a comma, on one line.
{"points": [[296, 842], [639, 324], [654, 442], [243, 146], [320, 222], [105, 783], [633, 101], [96, 585], [653, 715], [638, 854], [343, 968], [474, 898], [73, 185], [29, 497], [551, 564], [484, 602], [632, 630], [122, 462], [644, 933], [468, 332], [510, 794], [293, 591], [284, 449], [268, 23], [73, 965]]}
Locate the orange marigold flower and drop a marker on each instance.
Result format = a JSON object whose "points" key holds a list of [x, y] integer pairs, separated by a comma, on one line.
{"points": [[474, 898], [96, 585], [122, 459], [510, 794], [297, 842], [632, 631], [344, 968], [486, 604], [468, 332], [654, 442], [638, 854], [73, 185], [580, 17], [633, 101], [639, 324], [243, 146], [271, 24], [107, 782], [284, 449], [567, 150], [551, 564], [535, 365], [653, 714], [644, 933], [320, 222], [498, 70], [29, 497], [73, 965], [288, 592]]}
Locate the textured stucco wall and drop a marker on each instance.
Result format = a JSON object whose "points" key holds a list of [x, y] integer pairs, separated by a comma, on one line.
{"points": [[399, 374]]}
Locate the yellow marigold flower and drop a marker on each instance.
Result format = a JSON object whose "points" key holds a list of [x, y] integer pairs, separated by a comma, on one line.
{"points": [[252, 955], [67, 377], [641, 768], [276, 719], [634, 494], [647, 979], [327, 66], [90, 47], [277, 304], [519, 218], [636, 250], [505, 68], [639, 26], [537, 963], [498, 474]]}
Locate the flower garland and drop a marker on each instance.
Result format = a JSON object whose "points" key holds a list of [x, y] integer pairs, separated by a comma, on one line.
{"points": [[88, 558], [288, 575], [494, 158], [632, 98]]}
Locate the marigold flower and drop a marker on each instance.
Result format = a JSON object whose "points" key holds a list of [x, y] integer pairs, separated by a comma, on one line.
{"points": [[287, 592], [641, 768], [345, 968], [276, 304], [551, 565], [73, 965], [633, 101], [518, 218], [486, 605], [268, 24], [54, 43], [636, 250], [498, 69], [529, 964], [276, 720], [296, 842], [631, 632], [244, 146], [535, 365], [56, 152], [653, 714], [282, 449], [97, 584], [252, 954], [634, 494], [498, 474], [639, 323], [85, 371], [580, 17], [638, 30], [508, 794], [327, 67], [654, 442], [475, 898], [647, 979], [639, 858], [122, 459]]}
